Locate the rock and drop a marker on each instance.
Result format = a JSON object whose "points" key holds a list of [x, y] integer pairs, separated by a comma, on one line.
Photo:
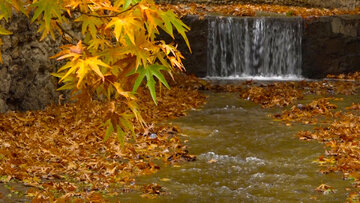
{"points": [[25, 73], [331, 46], [5, 79], [195, 62], [3, 106]]}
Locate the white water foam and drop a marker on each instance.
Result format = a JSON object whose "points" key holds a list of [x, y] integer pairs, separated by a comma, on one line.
{"points": [[264, 47], [260, 78]]}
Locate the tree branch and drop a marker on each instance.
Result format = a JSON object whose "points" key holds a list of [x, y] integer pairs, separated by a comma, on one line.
{"points": [[110, 16], [66, 32]]}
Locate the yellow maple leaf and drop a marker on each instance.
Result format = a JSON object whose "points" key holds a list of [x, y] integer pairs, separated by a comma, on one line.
{"points": [[125, 26]]}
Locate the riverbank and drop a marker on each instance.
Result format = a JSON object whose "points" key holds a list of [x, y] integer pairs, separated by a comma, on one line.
{"points": [[60, 154], [183, 9]]}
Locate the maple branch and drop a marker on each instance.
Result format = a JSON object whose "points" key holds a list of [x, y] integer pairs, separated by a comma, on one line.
{"points": [[66, 32], [110, 16]]}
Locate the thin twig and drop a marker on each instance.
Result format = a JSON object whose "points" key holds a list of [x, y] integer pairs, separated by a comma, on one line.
{"points": [[109, 16], [66, 32]]}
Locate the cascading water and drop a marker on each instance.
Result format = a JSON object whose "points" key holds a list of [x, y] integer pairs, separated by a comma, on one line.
{"points": [[254, 46]]}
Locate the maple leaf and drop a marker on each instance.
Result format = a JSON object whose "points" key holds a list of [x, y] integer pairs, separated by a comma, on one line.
{"points": [[149, 72], [82, 68], [170, 17], [109, 129], [70, 51], [89, 23], [49, 9], [126, 125], [127, 3], [95, 43], [121, 92], [167, 23], [150, 14], [19, 6], [125, 26], [4, 31], [5, 10]]}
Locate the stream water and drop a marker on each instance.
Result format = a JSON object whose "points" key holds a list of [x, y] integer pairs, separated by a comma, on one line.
{"points": [[243, 156]]}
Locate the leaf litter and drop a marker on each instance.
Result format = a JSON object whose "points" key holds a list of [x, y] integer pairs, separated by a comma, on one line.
{"points": [[61, 152], [253, 10]]}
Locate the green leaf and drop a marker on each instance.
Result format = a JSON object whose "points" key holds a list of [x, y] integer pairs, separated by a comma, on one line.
{"points": [[19, 5], [168, 27], [89, 23], [125, 121], [49, 9], [109, 129], [129, 2], [179, 25], [68, 86], [149, 72], [3, 31], [5, 10], [121, 135]]}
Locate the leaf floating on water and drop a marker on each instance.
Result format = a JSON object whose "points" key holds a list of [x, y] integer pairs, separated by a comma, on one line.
{"points": [[165, 179], [325, 189]]}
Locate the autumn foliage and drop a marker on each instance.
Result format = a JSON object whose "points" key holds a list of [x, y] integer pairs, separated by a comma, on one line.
{"points": [[118, 50]]}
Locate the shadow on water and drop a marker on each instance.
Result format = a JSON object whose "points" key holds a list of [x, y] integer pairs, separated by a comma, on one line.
{"points": [[243, 156]]}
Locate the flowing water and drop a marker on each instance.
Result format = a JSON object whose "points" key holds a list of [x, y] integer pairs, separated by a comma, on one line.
{"points": [[254, 46], [244, 156]]}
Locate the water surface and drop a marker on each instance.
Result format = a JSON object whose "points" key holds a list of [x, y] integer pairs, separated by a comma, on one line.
{"points": [[244, 156]]}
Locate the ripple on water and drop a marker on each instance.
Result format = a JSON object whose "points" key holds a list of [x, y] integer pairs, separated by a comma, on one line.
{"points": [[243, 156]]}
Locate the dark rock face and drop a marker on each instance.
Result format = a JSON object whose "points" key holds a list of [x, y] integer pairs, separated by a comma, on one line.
{"points": [[331, 45], [25, 77], [197, 61]]}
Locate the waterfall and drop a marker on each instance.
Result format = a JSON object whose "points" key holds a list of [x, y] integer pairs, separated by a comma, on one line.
{"points": [[254, 46]]}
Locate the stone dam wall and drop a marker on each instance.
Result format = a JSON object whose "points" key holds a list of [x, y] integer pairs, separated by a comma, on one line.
{"points": [[330, 45]]}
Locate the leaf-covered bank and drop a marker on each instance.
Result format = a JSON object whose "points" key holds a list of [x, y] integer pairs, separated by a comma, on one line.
{"points": [[61, 152], [254, 9]]}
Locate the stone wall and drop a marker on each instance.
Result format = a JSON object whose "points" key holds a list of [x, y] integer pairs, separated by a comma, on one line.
{"points": [[25, 80], [347, 4], [331, 45], [198, 42]]}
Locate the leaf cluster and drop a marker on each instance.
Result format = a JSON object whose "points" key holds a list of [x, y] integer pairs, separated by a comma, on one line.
{"points": [[118, 50]]}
